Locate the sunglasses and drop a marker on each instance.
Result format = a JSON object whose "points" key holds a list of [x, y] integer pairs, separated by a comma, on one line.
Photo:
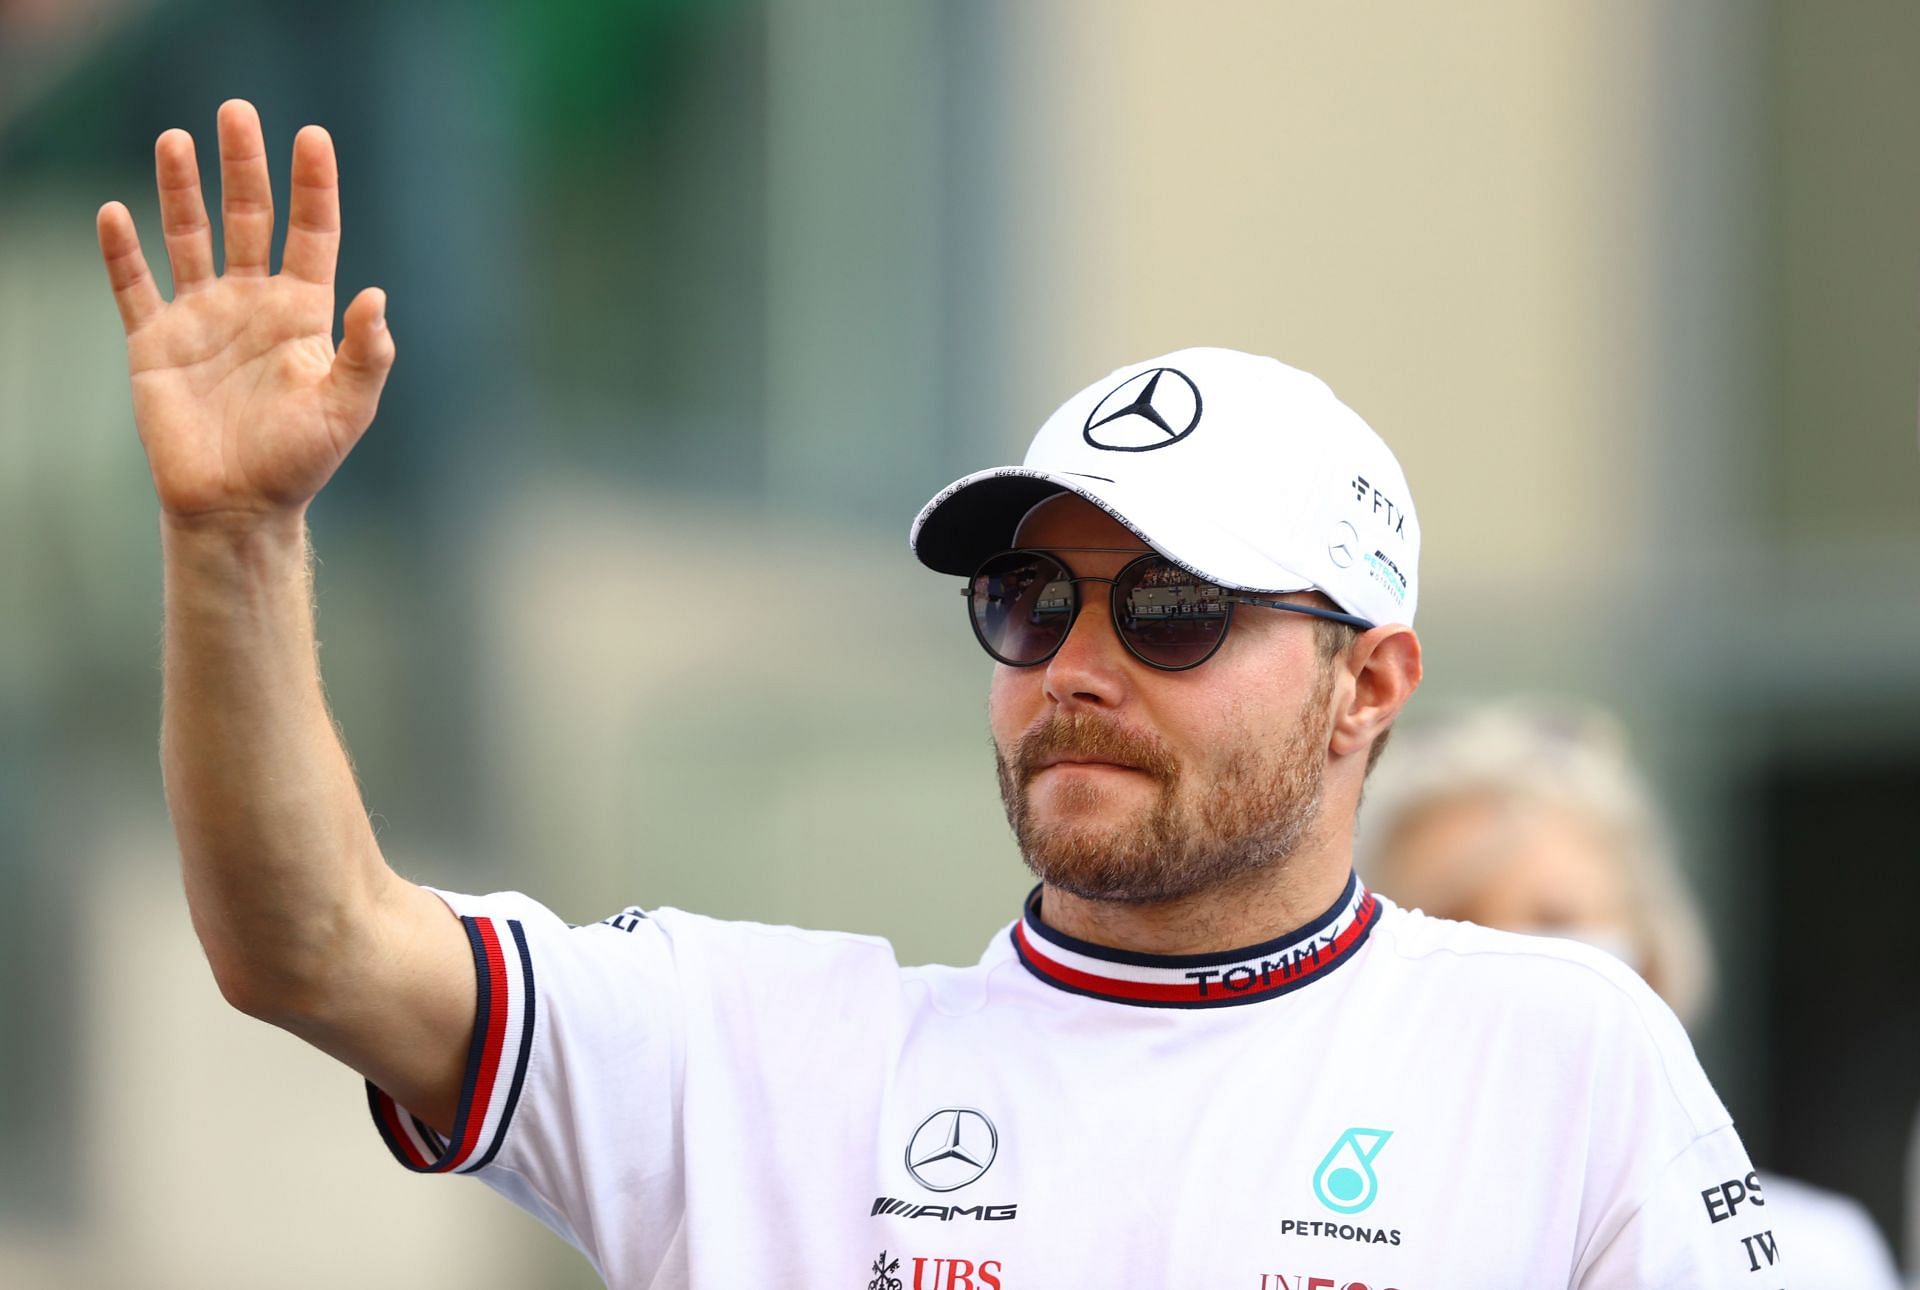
{"points": [[1024, 603]]}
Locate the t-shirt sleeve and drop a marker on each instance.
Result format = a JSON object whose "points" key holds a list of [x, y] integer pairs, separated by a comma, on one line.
{"points": [[1703, 1224], [1678, 1205], [572, 1081]]}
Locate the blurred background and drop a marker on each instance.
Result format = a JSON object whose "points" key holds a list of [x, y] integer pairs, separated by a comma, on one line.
{"points": [[697, 302]]}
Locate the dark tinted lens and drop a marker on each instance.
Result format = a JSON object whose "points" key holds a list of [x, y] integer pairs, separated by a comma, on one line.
{"points": [[1169, 617], [1022, 606]]}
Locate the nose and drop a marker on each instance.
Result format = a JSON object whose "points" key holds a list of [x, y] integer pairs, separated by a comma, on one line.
{"points": [[1091, 665]]}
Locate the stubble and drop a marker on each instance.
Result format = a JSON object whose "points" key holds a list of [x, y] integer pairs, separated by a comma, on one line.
{"points": [[1200, 830]]}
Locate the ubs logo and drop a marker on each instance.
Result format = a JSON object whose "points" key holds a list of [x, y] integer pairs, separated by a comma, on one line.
{"points": [[935, 1274], [951, 1148], [1144, 412]]}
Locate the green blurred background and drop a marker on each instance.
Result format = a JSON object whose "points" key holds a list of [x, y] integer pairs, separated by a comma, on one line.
{"points": [[698, 302]]}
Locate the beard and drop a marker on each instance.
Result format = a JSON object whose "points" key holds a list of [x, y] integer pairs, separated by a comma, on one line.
{"points": [[1253, 814]]}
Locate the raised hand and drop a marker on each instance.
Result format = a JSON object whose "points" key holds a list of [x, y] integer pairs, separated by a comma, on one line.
{"points": [[242, 402]]}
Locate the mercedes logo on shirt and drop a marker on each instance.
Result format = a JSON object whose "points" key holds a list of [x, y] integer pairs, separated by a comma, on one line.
{"points": [[951, 1148], [1148, 410]]}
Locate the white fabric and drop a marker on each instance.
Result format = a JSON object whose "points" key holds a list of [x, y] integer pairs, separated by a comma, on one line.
{"points": [[1836, 1245], [722, 1105], [1246, 471]]}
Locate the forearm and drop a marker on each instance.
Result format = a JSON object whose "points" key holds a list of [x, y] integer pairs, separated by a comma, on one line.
{"points": [[246, 407], [279, 860]]}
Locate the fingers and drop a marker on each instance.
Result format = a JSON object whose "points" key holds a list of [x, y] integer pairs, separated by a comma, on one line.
{"points": [[134, 290], [364, 358], [183, 213], [246, 195], [313, 220]]}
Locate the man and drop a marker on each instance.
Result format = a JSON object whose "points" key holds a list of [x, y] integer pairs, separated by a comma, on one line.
{"points": [[1533, 818], [1204, 1055]]}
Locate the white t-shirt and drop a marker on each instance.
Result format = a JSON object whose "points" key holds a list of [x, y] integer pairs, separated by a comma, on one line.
{"points": [[1836, 1244], [1380, 1100]]}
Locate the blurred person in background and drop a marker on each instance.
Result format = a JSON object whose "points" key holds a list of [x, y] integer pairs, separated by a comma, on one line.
{"points": [[1531, 817], [1206, 1053]]}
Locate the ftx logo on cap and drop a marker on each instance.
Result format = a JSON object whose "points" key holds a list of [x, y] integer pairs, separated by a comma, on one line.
{"points": [[1239, 468]]}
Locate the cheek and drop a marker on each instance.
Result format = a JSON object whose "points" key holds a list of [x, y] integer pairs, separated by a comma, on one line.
{"points": [[1270, 669], [1253, 708], [1012, 698]]}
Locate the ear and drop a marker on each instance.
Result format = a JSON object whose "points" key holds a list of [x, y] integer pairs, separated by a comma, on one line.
{"points": [[1384, 665]]}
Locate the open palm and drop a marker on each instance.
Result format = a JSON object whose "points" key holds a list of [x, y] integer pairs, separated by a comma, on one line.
{"points": [[241, 399]]}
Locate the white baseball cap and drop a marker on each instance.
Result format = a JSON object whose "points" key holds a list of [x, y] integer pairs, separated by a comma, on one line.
{"points": [[1237, 468]]}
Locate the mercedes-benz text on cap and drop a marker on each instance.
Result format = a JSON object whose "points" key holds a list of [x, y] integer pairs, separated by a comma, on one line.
{"points": [[1239, 468]]}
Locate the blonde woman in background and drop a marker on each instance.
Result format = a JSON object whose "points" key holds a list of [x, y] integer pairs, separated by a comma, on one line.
{"points": [[1532, 818]]}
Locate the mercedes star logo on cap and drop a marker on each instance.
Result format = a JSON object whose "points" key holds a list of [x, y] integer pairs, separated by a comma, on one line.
{"points": [[1145, 411], [951, 1148], [1345, 541]]}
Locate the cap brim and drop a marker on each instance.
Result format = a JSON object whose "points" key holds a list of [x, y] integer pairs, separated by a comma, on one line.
{"points": [[976, 516]]}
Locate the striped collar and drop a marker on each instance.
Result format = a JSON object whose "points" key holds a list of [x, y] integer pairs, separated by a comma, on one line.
{"points": [[1198, 980]]}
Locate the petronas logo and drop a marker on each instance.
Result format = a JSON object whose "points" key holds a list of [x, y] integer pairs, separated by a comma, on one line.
{"points": [[1345, 1181]]}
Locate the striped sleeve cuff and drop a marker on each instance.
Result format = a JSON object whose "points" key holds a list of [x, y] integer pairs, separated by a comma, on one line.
{"points": [[496, 1061]]}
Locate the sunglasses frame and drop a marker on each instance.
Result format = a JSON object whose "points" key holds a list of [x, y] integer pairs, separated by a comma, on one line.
{"points": [[1232, 598]]}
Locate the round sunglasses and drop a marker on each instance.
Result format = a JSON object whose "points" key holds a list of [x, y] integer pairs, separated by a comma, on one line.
{"points": [[1023, 603]]}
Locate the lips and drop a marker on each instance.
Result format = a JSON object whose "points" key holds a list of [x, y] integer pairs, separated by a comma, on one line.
{"points": [[1048, 763]]}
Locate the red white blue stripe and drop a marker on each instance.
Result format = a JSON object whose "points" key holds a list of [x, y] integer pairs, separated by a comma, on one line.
{"points": [[1231, 977], [496, 1061]]}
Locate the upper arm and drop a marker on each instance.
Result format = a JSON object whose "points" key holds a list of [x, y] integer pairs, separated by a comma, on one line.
{"points": [[1702, 1223], [561, 1074], [400, 1005]]}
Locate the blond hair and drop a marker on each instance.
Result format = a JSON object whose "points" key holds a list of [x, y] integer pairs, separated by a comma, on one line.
{"points": [[1573, 757]]}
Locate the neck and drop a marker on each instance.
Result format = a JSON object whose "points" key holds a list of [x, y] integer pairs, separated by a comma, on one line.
{"points": [[1258, 906]]}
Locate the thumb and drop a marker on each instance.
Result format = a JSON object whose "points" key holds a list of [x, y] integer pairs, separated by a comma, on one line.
{"points": [[365, 356]]}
